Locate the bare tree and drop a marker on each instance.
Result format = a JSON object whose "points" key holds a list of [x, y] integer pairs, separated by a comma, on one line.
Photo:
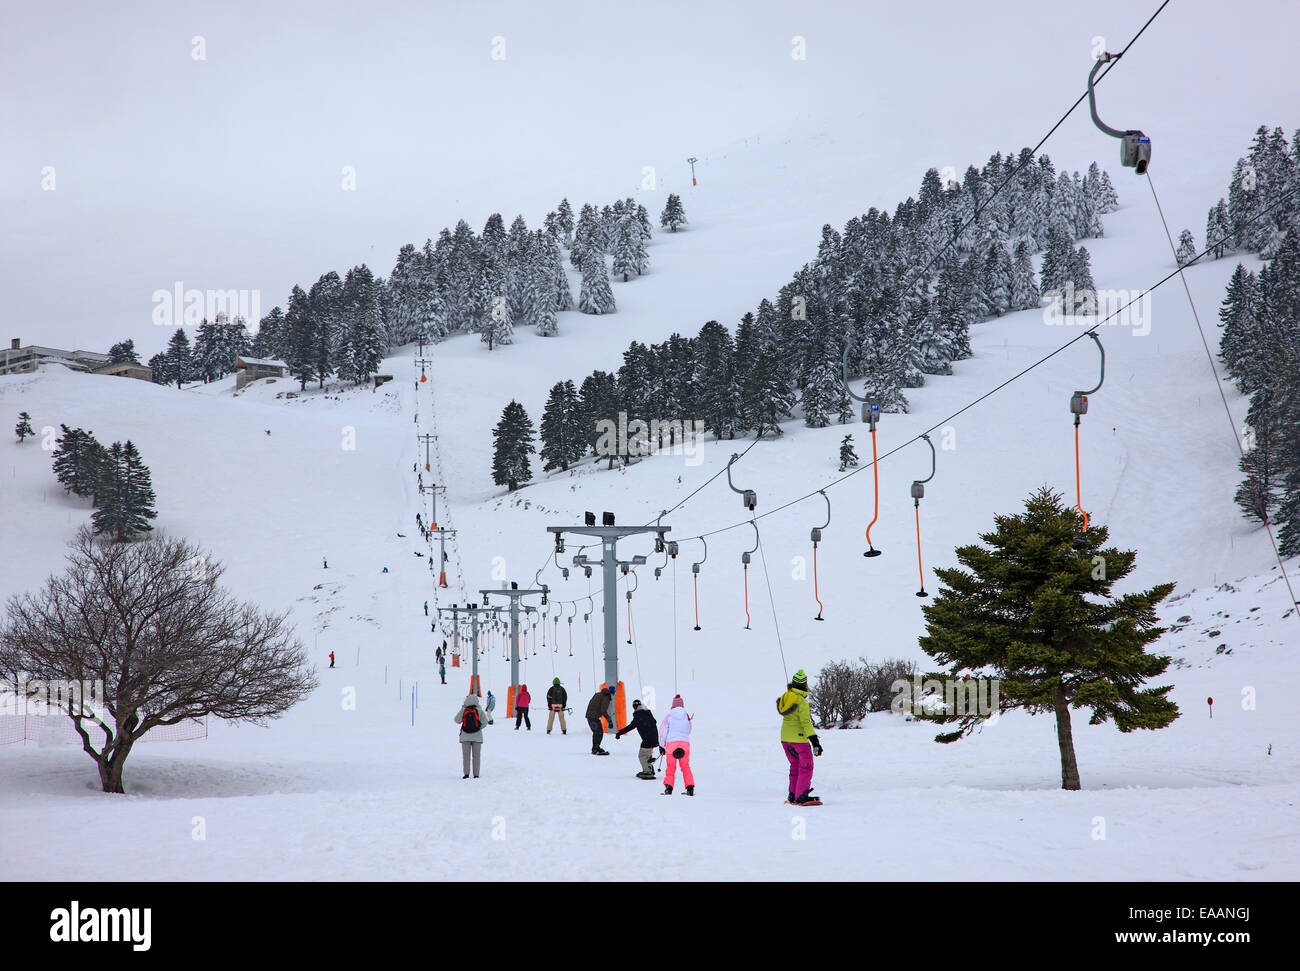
{"points": [[151, 623]]}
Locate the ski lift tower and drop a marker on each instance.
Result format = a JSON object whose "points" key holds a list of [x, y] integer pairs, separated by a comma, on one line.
{"points": [[609, 535], [433, 491], [474, 611], [692, 160], [443, 533], [427, 439], [514, 593]]}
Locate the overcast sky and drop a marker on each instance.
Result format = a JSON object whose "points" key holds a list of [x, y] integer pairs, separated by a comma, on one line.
{"points": [[226, 172]]}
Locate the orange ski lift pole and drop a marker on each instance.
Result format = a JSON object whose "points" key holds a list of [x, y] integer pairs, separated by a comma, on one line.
{"points": [[745, 560], [1079, 407], [570, 619], [918, 493], [871, 415], [816, 538], [748, 496], [695, 570], [586, 619]]}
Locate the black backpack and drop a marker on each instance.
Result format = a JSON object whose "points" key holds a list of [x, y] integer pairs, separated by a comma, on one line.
{"points": [[469, 720]]}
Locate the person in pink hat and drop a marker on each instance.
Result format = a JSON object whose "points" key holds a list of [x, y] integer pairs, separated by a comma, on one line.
{"points": [[675, 742]]}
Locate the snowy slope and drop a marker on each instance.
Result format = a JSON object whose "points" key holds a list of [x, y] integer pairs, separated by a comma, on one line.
{"points": [[335, 794]]}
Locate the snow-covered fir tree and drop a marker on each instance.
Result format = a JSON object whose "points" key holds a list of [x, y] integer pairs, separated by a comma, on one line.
{"points": [[674, 215], [595, 296], [848, 455], [512, 444]]}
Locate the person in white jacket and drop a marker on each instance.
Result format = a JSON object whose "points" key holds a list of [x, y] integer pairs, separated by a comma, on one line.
{"points": [[675, 742], [471, 743]]}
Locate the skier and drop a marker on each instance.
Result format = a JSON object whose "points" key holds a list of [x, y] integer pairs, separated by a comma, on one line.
{"points": [[798, 740], [491, 705], [470, 720], [556, 699], [675, 740], [601, 703], [437, 654], [521, 707], [385, 569], [643, 720], [331, 659], [442, 670], [325, 564]]}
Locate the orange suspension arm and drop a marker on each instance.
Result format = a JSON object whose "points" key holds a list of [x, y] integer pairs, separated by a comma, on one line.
{"points": [[1078, 488], [816, 596], [875, 476]]}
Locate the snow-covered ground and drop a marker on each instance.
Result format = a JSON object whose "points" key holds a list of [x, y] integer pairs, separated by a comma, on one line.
{"points": [[331, 793]]}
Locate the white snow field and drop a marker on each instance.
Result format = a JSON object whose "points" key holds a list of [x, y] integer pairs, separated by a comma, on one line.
{"points": [[332, 794]]}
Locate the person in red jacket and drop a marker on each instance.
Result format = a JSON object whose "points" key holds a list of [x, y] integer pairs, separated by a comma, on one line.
{"points": [[331, 659], [521, 707]]}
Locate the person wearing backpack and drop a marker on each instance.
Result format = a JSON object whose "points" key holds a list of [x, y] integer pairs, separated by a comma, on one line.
{"points": [[675, 742], [643, 720], [556, 699], [521, 707], [470, 719], [799, 740], [491, 706]]}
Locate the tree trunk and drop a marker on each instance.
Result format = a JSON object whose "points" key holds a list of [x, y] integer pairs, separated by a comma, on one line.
{"points": [[111, 764], [1065, 739]]}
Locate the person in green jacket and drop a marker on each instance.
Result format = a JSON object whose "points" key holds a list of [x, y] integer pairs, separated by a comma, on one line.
{"points": [[799, 740]]}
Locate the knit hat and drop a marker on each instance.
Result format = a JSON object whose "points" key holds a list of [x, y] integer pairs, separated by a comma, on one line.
{"points": [[608, 690], [556, 681], [678, 703], [800, 680]]}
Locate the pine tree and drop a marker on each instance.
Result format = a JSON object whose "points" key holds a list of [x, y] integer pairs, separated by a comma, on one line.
{"points": [[78, 461], [325, 302], [849, 456], [565, 221], [123, 352], [1264, 459], [124, 497], [1186, 253], [766, 398], [718, 392], [270, 332], [562, 439], [1218, 230], [595, 296], [158, 368], [1024, 291], [299, 339], [674, 214], [821, 395], [1032, 607], [1239, 316], [512, 444], [24, 427], [180, 358]]}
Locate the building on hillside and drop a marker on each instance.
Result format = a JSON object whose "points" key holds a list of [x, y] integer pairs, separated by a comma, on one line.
{"points": [[254, 369], [126, 369], [17, 359]]}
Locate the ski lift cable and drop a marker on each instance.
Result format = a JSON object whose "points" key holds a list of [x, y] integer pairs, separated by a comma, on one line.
{"points": [[1268, 525], [776, 624], [1011, 380], [725, 469], [980, 206]]}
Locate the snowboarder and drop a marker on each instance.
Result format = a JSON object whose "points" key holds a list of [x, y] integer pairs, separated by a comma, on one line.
{"points": [[675, 742], [491, 705], [643, 720], [442, 671], [331, 659], [521, 707], [556, 699], [601, 703], [470, 720], [798, 740]]}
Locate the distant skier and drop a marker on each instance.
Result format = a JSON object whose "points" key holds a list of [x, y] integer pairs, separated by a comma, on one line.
{"points": [[601, 703], [325, 564], [675, 741], [522, 701], [798, 740], [491, 705], [442, 671], [470, 720], [426, 608], [556, 699], [331, 659], [643, 720], [385, 569]]}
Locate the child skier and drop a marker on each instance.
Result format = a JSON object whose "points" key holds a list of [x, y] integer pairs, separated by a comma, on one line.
{"points": [[675, 740], [556, 699], [643, 720], [491, 705], [442, 671], [798, 740], [521, 707], [470, 720]]}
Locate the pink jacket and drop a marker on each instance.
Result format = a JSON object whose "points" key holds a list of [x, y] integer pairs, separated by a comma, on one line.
{"points": [[522, 699]]}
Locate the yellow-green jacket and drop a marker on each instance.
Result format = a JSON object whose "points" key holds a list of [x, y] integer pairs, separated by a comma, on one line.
{"points": [[796, 725]]}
